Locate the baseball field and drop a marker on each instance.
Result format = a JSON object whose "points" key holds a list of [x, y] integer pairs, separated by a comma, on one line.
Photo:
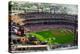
{"points": [[54, 36]]}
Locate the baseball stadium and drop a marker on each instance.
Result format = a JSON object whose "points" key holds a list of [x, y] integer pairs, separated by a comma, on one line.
{"points": [[42, 26]]}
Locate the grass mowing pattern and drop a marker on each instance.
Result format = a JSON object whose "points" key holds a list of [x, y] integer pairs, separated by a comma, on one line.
{"points": [[55, 36]]}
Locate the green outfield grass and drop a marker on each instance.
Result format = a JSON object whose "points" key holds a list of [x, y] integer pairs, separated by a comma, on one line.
{"points": [[55, 36]]}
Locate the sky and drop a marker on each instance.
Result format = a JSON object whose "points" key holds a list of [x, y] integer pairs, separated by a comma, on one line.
{"points": [[73, 9]]}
